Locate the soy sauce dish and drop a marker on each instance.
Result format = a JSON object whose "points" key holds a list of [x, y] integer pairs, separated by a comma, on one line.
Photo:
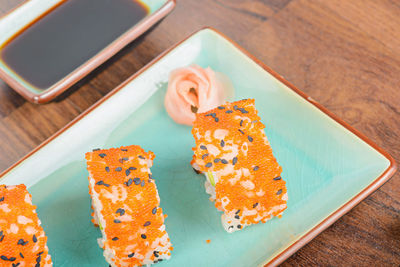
{"points": [[46, 46]]}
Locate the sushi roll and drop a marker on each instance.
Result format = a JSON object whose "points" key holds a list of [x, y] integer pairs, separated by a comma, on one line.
{"points": [[242, 175], [22, 239], [126, 206]]}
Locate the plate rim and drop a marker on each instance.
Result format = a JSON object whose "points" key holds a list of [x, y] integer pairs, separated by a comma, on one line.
{"points": [[312, 232], [89, 65]]}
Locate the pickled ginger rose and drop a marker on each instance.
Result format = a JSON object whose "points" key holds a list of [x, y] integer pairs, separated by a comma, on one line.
{"points": [[194, 89]]}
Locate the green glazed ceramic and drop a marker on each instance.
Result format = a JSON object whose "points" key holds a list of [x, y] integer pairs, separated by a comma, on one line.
{"points": [[324, 163]]}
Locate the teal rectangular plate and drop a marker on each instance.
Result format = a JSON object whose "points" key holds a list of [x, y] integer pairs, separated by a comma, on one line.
{"points": [[328, 166]]}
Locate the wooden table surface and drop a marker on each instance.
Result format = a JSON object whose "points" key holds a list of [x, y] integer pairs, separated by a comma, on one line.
{"points": [[343, 53]]}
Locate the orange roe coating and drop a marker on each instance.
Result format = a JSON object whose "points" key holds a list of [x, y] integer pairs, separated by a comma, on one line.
{"points": [[231, 144], [22, 239], [134, 222], [208, 241]]}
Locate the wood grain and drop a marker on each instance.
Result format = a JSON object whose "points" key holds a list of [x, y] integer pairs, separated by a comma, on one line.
{"points": [[345, 54]]}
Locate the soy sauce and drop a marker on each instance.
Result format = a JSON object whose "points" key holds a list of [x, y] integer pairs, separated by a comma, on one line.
{"points": [[67, 36]]}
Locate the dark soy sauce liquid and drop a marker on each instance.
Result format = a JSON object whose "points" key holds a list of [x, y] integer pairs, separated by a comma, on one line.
{"points": [[67, 36]]}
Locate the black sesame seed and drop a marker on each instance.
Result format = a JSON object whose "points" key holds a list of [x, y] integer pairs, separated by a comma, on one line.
{"points": [[115, 239], [242, 110], [22, 242], [228, 111], [241, 123], [22, 256], [203, 147], [224, 161], [217, 160], [131, 255], [102, 183], [102, 155], [221, 107], [136, 181], [237, 212], [143, 236], [196, 171], [38, 259], [132, 168], [125, 158], [241, 131], [234, 160], [4, 258], [160, 260], [127, 172], [277, 178], [204, 156], [37, 265], [10, 259], [208, 165], [1, 233], [154, 210], [255, 168], [155, 253], [118, 169], [96, 149], [1, 238], [222, 143], [1, 199], [107, 169], [143, 183], [16, 264], [235, 107], [216, 119], [141, 157], [129, 182], [211, 114], [230, 227], [150, 176], [117, 221], [279, 192], [237, 217], [40, 253], [239, 226], [120, 211], [123, 149], [255, 205], [34, 238], [146, 223], [250, 138]]}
